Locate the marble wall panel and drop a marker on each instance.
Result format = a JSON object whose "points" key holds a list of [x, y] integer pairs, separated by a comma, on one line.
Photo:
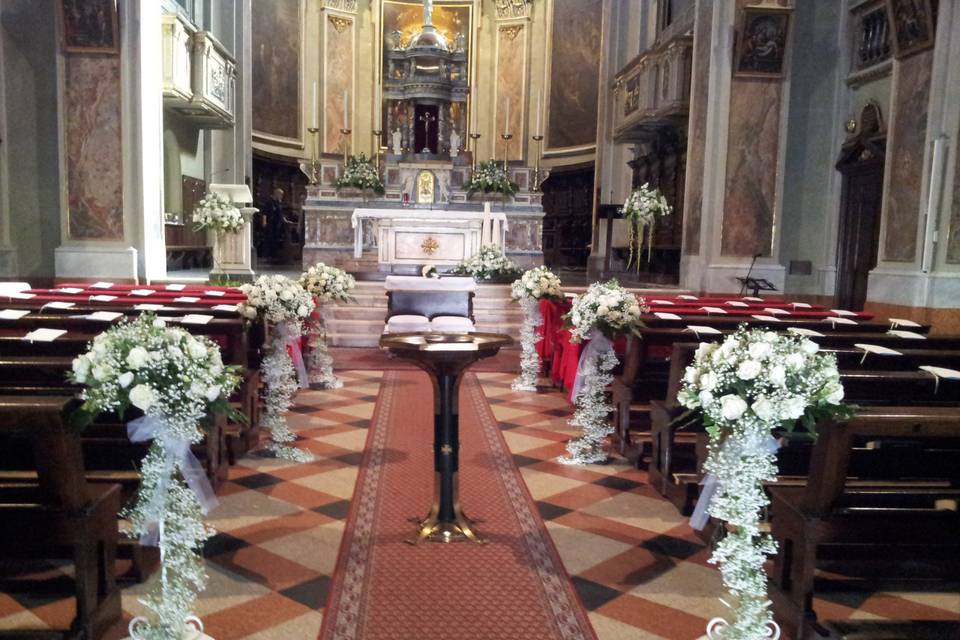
{"points": [[751, 182], [511, 76], [276, 67], [574, 68], [906, 148], [94, 148], [337, 78], [953, 233], [696, 140]]}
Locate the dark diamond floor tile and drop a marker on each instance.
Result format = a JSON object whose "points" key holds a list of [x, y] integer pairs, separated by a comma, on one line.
{"points": [[337, 510], [31, 594], [506, 426], [593, 595], [550, 511], [312, 593], [557, 413], [670, 546], [352, 458], [620, 484], [222, 543], [359, 424], [258, 481], [525, 461]]}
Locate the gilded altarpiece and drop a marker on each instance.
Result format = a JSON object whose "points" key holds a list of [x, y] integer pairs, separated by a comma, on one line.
{"points": [[339, 31]]}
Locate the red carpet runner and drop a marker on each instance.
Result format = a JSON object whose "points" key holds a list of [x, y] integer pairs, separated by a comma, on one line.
{"points": [[514, 588]]}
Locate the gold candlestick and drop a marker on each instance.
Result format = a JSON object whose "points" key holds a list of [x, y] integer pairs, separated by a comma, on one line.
{"points": [[376, 147], [346, 145], [506, 147], [473, 153], [536, 170], [314, 175]]}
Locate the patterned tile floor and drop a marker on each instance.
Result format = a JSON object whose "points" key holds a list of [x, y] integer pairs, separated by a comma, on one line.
{"points": [[639, 570]]}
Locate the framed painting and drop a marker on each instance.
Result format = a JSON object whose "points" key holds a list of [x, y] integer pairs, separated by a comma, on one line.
{"points": [[911, 26], [89, 26], [762, 44]]}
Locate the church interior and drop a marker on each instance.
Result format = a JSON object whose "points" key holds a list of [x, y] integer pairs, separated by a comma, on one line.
{"points": [[480, 319]]}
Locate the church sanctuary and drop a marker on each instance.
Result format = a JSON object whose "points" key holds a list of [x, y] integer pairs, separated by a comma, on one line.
{"points": [[480, 319]]}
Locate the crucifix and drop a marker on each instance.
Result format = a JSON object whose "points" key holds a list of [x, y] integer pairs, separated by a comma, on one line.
{"points": [[426, 118]]}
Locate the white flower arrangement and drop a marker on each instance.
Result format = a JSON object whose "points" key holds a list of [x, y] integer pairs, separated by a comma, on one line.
{"points": [[177, 380], [537, 284], [608, 308], [285, 304], [490, 177], [642, 208], [276, 298], [429, 271], [489, 264], [360, 173], [217, 213], [752, 384], [326, 283]]}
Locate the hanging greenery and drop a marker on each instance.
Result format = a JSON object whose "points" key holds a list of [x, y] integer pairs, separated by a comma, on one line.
{"points": [[641, 210]]}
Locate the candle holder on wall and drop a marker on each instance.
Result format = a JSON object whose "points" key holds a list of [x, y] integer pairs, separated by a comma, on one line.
{"points": [[473, 153], [312, 170], [376, 148], [346, 145], [536, 170]]}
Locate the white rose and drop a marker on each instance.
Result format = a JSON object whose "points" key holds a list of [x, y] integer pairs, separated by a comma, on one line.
{"points": [[770, 336], [101, 372], [748, 370], [691, 375], [125, 379], [634, 310], [765, 409], [213, 393], [159, 323], [196, 349], [705, 349], [250, 312], [706, 398], [602, 310], [175, 351], [143, 396], [708, 381], [137, 357], [81, 366], [197, 389], [778, 375], [286, 294], [794, 361], [760, 350], [809, 346], [732, 407], [836, 393], [794, 407]]}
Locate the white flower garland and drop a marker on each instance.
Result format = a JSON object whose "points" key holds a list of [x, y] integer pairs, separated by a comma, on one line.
{"points": [[535, 284], [326, 284], [177, 380], [641, 209], [284, 303], [217, 213], [754, 383], [605, 310]]}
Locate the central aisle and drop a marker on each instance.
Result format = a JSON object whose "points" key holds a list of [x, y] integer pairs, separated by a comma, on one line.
{"points": [[514, 587]]}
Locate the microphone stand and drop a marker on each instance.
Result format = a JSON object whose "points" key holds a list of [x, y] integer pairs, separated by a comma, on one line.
{"points": [[743, 287]]}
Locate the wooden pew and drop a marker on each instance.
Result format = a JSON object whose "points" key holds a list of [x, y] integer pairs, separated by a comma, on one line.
{"points": [[900, 520], [60, 509]]}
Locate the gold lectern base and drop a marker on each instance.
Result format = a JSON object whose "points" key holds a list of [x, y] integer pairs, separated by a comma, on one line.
{"points": [[435, 531]]}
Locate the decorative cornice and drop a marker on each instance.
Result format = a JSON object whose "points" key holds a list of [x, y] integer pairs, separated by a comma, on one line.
{"points": [[342, 5], [339, 23], [513, 8], [511, 31]]}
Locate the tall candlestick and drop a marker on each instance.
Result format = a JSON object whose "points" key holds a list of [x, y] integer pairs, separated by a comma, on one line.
{"points": [[539, 129], [313, 105], [346, 119], [506, 118]]}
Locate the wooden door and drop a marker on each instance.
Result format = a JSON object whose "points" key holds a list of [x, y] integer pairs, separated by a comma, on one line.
{"points": [[859, 237]]}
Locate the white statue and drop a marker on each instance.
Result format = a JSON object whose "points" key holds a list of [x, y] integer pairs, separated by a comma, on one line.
{"points": [[397, 142], [454, 143]]}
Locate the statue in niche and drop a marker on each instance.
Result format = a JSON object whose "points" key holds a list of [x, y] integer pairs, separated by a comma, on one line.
{"points": [[443, 185], [397, 142], [454, 143], [393, 40]]}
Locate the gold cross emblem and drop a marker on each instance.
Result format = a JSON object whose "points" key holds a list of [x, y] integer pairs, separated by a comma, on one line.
{"points": [[429, 246], [446, 449]]}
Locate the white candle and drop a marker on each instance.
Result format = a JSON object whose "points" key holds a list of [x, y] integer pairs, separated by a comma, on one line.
{"points": [[539, 115], [313, 104], [346, 119], [506, 118]]}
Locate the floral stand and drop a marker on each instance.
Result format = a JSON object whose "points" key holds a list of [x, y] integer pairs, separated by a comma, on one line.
{"points": [[529, 358], [319, 360]]}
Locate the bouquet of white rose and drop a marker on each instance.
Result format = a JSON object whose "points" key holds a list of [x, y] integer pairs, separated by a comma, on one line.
{"points": [[276, 299], [360, 173], [489, 264], [490, 177], [641, 209], [606, 307], [752, 384], [537, 283], [327, 283], [177, 380], [217, 213]]}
